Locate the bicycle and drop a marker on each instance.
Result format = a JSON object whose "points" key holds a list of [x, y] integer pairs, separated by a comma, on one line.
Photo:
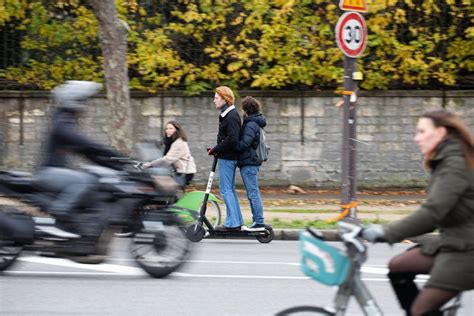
{"points": [[331, 266], [186, 206]]}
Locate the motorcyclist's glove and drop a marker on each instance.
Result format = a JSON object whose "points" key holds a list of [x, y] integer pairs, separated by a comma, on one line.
{"points": [[374, 233]]}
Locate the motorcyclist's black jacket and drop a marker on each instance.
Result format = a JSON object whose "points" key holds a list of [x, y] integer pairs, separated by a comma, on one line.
{"points": [[65, 138]]}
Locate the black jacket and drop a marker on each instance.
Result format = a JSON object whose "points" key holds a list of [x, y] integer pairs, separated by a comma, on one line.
{"points": [[65, 138], [228, 135], [249, 139]]}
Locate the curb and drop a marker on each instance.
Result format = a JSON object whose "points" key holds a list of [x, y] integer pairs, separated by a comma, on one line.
{"points": [[331, 235]]}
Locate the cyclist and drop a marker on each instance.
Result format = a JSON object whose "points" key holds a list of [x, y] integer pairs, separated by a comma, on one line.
{"points": [[448, 149]]}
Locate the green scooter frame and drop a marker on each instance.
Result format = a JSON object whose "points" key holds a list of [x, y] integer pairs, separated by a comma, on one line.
{"points": [[196, 232]]}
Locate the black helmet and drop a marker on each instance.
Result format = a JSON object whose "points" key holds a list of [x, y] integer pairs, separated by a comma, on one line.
{"points": [[71, 94]]}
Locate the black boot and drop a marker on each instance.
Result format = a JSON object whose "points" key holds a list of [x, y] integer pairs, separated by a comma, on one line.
{"points": [[405, 288]]}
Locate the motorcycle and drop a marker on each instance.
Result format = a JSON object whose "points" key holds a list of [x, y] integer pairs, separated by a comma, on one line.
{"points": [[129, 197]]}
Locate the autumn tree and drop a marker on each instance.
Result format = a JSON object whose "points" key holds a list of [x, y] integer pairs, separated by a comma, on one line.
{"points": [[113, 40], [246, 44]]}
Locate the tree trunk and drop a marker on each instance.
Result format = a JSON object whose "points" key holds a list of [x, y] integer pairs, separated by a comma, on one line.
{"points": [[113, 40]]}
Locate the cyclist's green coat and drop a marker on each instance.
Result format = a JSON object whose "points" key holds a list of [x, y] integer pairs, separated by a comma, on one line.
{"points": [[449, 208]]}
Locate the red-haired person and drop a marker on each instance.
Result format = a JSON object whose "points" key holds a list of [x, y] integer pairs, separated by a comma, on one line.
{"points": [[226, 151]]}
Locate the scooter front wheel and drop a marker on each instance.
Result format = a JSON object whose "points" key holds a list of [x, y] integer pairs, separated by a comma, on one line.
{"points": [[195, 232], [267, 236]]}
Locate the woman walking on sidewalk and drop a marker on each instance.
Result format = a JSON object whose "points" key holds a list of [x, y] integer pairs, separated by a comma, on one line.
{"points": [[448, 148], [248, 162]]}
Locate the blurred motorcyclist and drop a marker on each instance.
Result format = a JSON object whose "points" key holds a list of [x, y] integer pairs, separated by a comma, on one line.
{"points": [[64, 139]]}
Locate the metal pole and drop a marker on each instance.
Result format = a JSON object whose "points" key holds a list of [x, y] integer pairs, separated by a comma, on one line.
{"points": [[349, 185]]}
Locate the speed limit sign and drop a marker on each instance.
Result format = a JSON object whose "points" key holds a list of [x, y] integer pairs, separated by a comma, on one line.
{"points": [[351, 34]]}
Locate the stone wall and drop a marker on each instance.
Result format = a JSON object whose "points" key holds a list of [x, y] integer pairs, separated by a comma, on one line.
{"points": [[304, 131]]}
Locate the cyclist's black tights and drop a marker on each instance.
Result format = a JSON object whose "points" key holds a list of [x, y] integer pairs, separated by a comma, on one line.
{"points": [[402, 272]]}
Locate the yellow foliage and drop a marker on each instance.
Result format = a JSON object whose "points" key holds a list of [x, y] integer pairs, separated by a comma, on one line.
{"points": [[259, 44]]}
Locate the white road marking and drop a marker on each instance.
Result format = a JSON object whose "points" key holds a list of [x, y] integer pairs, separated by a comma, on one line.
{"points": [[244, 262], [65, 273], [239, 276], [103, 267], [373, 270], [107, 269]]}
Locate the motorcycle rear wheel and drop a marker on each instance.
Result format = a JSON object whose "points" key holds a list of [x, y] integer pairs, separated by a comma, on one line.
{"points": [[161, 246], [8, 254]]}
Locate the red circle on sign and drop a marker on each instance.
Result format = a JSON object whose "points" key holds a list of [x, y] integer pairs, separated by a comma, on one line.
{"points": [[351, 34]]}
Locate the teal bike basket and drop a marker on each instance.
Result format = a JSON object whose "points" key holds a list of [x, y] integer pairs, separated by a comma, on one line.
{"points": [[321, 261]]}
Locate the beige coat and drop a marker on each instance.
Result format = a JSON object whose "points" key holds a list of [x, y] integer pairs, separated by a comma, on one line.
{"points": [[178, 156]]}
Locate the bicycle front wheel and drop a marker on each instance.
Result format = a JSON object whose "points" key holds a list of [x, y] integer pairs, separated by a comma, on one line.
{"points": [[213, 213], [304, 310]]}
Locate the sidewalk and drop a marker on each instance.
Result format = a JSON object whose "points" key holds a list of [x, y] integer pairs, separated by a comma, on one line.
{"points": [[324, 204], [279, 203], [386, 205]]}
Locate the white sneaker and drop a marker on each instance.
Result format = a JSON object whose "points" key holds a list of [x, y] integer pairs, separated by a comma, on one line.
{"points": [[124, 235], [256, 227]]}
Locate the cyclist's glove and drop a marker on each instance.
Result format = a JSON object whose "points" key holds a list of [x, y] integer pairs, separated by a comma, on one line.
{"points": [[373, 233]]}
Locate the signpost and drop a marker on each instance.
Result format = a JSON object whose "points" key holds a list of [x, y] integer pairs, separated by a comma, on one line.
{"points": [[351, 34], [351, 38]]}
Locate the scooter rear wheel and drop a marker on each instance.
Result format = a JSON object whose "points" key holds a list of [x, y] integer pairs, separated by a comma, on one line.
{"points": [[195, 232], [268, 237]]}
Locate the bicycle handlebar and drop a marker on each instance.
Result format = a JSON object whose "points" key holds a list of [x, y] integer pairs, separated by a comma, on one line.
{"points": [[350, 233]]}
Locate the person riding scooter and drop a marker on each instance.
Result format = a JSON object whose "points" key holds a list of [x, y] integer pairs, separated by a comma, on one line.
{"points": [[64, 139]]}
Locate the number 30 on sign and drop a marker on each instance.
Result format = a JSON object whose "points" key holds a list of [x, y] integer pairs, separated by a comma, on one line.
{"points": [[351, 34]]}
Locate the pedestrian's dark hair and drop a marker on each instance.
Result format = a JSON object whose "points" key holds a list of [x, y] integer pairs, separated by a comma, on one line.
{"points": [[455, 128], [250, 105], [179, 131]]}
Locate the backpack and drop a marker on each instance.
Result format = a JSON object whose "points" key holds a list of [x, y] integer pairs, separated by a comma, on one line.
{"points": [[262, 149]]}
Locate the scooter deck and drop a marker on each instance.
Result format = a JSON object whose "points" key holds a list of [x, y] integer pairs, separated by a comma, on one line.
{"points": [[235, 233]]}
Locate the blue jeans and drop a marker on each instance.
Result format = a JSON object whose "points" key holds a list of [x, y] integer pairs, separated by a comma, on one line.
{"points": [[250, 177], [227, 187]]}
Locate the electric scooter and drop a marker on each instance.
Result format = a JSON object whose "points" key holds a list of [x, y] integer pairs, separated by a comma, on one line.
{"points": [[197, 232]]}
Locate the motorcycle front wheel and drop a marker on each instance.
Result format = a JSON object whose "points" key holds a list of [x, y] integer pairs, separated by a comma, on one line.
{"points": [[160, 246]]}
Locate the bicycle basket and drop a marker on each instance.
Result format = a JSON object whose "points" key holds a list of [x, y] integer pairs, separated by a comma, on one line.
{"points": [[321, 261]]}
